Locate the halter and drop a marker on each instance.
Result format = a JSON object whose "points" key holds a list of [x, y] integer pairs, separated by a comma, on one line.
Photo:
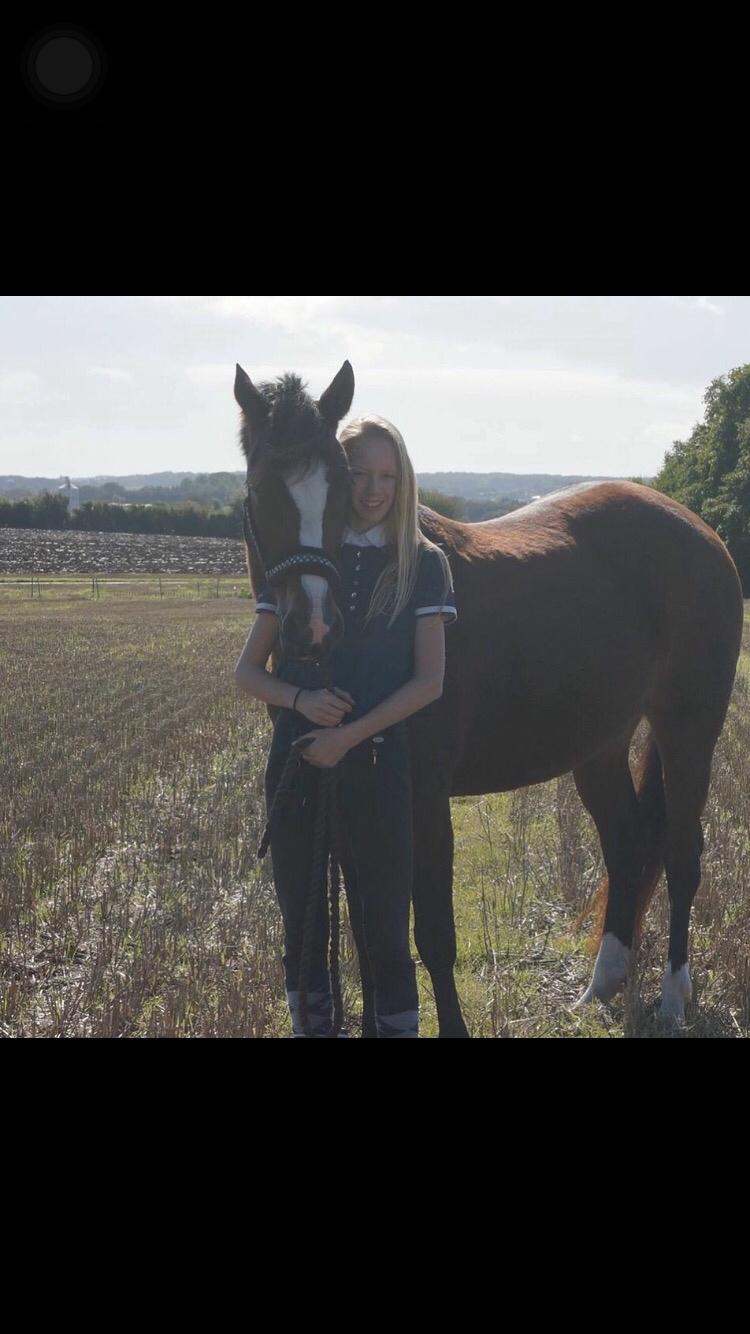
{"points": [[309, 560]]}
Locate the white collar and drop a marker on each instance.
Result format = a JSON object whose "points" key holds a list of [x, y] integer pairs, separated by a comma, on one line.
{"points": [[373, 537]]}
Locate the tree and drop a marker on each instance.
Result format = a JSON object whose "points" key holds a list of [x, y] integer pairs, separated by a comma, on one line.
{"points": [[452, 507], [710, 471]]}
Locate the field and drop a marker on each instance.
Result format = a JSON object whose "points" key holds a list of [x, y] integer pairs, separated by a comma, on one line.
{"points": [[30, 552], [132, 903]]}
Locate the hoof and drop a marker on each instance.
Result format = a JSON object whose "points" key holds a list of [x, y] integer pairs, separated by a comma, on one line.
{"points": [[604, 994]]}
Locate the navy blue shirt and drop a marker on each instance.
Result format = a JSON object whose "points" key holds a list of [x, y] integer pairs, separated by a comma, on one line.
{"points": [[372, 661]]}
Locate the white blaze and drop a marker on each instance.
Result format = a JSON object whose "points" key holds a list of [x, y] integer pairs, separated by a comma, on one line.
{"points": [[309, 494]]}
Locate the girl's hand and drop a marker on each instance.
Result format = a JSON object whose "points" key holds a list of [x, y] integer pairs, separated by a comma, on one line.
{"points": [[325, 708], [329, 746]]}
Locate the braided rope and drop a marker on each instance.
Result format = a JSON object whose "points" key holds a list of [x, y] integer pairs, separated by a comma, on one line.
{"points": [[250, 538], [279, 797], [317, 881], [335, 891], [306, 561]]}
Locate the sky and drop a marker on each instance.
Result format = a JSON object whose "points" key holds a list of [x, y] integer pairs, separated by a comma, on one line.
{"points": [[596, 385]]}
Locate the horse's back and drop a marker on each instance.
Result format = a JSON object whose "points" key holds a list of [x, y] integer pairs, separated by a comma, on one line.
{"points": [[640, 537], [575, 615]]}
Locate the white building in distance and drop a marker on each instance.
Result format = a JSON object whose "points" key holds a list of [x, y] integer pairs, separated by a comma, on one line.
{"points": [[70, 490]]}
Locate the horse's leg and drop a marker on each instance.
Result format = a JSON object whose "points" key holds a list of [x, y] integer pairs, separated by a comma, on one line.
{"points": [[605, 786], [687, 745], [434, 925]]}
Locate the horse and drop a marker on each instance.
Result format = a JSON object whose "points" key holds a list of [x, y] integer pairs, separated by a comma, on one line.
{"points": [[579, 615]]}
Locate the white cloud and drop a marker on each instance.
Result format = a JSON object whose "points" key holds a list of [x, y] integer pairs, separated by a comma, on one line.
{"points": [[534, 382], [665, 433], [20, 388], [222, 374], [695, 303], [110, 373], [211, 373], [285, 312]]}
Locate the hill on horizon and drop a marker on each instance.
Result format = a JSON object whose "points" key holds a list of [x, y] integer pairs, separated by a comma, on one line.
{"points": [[224, 486]]}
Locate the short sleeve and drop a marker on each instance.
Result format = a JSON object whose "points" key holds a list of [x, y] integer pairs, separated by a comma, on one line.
{"points": [[429, 596], [266, 601]]}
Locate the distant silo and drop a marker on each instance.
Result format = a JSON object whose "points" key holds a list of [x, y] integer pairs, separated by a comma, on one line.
{"points": [[70, 490]]}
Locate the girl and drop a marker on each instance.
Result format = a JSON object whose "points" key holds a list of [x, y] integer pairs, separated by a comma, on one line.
{"points": [[398, 594]]}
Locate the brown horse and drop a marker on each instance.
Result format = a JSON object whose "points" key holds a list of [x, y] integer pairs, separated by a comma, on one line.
{"points": [[579, 615]]}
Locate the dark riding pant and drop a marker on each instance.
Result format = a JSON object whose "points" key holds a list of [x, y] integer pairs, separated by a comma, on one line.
{"points": [[374, 801]]}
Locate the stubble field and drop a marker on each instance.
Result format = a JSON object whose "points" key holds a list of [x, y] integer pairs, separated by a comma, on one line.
{"points": [[132, 903]]}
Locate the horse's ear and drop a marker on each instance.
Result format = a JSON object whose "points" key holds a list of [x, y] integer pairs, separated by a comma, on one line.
{"points": [[337, 399], [250, 400]]}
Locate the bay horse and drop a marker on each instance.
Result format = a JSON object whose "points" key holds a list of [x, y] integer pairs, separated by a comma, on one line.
{"points": [[579, 615]]}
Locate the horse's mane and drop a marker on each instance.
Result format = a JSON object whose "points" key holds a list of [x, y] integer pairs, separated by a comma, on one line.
{"points": [[295, 425]]}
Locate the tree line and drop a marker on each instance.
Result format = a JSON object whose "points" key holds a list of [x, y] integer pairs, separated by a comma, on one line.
{"points": [[710, 471], [49, 509]]}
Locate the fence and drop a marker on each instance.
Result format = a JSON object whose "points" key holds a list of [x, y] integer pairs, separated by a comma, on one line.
{"points": [[79, 588]]}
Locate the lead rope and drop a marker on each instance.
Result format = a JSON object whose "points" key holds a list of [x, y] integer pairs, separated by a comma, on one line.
{"points": [[326, 819]]}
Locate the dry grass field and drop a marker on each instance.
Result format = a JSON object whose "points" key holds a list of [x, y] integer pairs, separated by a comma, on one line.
{"points": [[132, 903]]}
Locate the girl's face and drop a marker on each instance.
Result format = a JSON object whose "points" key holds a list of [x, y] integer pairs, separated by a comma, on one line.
{"points": [[374, 479]]}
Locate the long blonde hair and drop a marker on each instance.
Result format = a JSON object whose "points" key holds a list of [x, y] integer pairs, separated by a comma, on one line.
{"points": [[396, 582]]}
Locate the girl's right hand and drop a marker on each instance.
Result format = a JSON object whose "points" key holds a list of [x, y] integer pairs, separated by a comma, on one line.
{"points": [[325, 708]]}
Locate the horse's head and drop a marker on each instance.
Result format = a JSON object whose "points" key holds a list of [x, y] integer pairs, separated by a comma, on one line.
{"points": [[297, 501]]}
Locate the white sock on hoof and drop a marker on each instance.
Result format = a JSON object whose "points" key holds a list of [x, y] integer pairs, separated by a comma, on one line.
{"points": [[610, 971], [676, 990]]}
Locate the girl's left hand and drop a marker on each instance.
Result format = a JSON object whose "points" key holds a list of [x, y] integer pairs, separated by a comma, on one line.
{"points": [[330, 746]]}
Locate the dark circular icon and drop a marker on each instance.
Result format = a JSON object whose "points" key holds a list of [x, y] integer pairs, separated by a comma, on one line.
{"points": [[64, 66]]}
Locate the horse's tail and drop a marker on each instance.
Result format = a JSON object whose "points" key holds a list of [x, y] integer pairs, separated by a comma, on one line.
{"points": [[649, 788]]}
